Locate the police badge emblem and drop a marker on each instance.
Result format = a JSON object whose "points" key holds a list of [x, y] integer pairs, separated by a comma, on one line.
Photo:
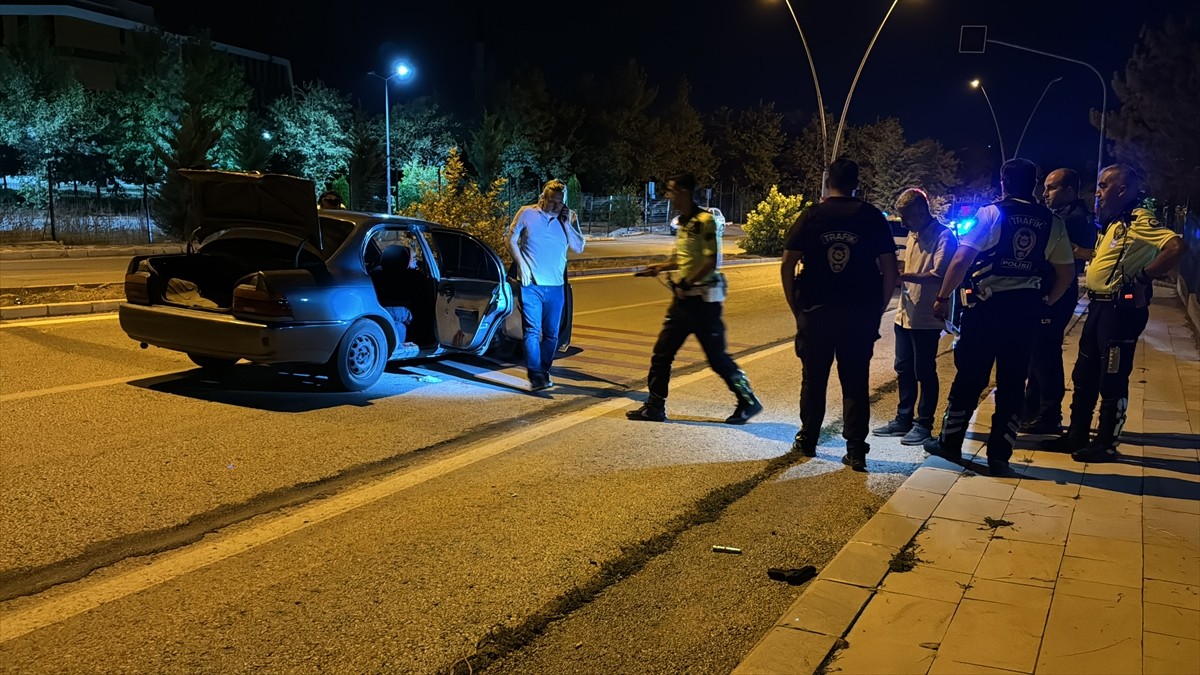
{"points": [[1023, 242], [838, 255]]}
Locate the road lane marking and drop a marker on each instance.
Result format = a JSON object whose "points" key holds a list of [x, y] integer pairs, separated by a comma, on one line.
{"points": [[88, 595], [664, 301], [620, 275], [22, 323], [86, 385]]}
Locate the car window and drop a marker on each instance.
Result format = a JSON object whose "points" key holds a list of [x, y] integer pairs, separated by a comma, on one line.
{"points": [[460, 256], [383, 238]]}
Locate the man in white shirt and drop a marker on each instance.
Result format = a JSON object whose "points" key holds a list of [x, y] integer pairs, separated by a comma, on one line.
{"points": [[539, 238], [926, 256]]}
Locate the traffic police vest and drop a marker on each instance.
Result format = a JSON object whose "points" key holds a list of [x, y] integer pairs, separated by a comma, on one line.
{"points": [[1020, 251]]}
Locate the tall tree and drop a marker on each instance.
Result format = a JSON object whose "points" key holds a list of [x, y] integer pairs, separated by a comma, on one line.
{"points": [[145, 106], [747, 145], [1157, 128], [618, 130], [804, 161], [364, 171], [312, 131], [421, 130], [680, 144]]}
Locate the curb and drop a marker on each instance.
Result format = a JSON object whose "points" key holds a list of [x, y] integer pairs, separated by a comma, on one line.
{"points": [[102, 306], [86, 252]]}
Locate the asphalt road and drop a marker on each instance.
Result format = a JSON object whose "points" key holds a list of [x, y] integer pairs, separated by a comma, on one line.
{"points": [[58, 271], [443, 517]]}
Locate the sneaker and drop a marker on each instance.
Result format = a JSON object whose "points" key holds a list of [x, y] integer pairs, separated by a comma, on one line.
{"points": [[744, 412], [894, 428], [538, 383], [1096, 454], [934, 447], [804, 450], [647, 413], [1041, 426], [916, 436], [999, 467], [857, 461]]}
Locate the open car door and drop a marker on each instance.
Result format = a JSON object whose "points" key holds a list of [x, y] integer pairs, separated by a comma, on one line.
{"points": [[473, 297]]}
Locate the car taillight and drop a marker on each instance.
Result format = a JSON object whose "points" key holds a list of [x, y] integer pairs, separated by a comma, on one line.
{"points": [[137, 288], [253, 300]]}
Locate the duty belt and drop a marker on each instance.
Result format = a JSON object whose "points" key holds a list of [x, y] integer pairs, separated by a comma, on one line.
{"points": [[1102, 297]]}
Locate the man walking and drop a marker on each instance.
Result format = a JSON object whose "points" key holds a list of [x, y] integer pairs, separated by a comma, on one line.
{"points": [[1133, 250], [838, 299], [539, 238], [695, 308], [1003, 254], [926, 256], [1044, 390]]}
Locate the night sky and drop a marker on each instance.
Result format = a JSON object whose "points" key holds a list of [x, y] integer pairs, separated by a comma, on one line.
{"points": [[734, 53]]}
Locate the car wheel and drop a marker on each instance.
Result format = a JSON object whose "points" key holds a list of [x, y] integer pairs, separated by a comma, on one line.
{"points": [[360, 357], [211, 362]]}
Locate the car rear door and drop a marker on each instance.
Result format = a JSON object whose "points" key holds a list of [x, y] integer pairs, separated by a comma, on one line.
{"points": [[473, 297]]}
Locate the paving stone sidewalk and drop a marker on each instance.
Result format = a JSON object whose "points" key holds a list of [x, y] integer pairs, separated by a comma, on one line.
{"points": [[1066, 568]]}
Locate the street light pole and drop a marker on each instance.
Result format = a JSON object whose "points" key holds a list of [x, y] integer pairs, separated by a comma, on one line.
{"points": [[816, 83], [403, 71], [979, 85], [1017, 152], [837, 138]]}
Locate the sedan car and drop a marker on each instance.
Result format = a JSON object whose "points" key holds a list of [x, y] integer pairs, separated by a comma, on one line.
{"points": [[272, 280], [717, 216]]}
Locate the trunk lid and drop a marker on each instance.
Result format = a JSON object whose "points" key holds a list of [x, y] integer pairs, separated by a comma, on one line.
{"points": [[223, 200]]}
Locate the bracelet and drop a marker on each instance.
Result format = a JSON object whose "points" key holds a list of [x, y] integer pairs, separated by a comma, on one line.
{"points": [[942, 299]]}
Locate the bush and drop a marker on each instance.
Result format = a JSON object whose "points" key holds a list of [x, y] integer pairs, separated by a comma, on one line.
{"points": [[457, 201], [768, 223], [626, 209]]}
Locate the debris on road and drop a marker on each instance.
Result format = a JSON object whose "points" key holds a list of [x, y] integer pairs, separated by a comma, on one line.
{"points": [[794, 576]]}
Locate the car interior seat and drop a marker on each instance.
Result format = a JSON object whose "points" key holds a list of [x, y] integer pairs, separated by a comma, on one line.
{"points": [[399, 284]]}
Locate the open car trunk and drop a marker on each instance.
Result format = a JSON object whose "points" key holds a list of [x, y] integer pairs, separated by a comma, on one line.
{"points": [[201, 281]]}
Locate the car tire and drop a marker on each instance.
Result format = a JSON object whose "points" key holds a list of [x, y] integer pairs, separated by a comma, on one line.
{"points": [[360, 357], [213, 363]]}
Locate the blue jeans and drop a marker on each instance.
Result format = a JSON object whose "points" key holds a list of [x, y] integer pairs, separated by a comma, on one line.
{"points": [[541, 319]]}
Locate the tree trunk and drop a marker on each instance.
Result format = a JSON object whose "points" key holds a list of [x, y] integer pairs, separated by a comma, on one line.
{"points": [[50, 189]]}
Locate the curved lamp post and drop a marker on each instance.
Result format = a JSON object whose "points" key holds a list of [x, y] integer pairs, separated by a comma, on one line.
{"points": [[1017, 152], [979, 85], [813, 68], [403, 72]]}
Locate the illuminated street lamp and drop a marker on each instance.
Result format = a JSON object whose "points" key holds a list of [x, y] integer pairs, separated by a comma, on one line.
{"points": [[813, 68], [979, 85], [403, 72]]}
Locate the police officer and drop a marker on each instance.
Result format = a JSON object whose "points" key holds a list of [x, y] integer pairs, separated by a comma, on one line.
{"points": [[1044, 390], [1002, 255], [849, 275], [1133, 250], [695, 309]]}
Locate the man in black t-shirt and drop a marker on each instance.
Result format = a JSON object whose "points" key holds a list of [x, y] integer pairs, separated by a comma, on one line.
{"points": [[849, 274]]}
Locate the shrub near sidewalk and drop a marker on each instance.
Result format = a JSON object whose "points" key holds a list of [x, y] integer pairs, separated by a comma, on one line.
{"points": [[768, 223]]}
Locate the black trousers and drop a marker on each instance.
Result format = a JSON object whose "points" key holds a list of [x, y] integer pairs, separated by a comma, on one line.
{"points": [[996, 332], [689, 316], [847, 334], [1105, 359], [1046, 387], [916, 371]]}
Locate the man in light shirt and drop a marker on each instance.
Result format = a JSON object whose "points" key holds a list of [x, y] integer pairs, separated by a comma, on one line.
{"points": [[538, 239], [926, 256]]}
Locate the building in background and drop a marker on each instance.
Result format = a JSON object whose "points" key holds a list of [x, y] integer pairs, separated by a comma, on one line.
{"points": [[93, 35]]}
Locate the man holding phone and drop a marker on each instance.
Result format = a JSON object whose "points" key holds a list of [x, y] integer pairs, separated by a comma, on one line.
{"points": [[538, 239]]}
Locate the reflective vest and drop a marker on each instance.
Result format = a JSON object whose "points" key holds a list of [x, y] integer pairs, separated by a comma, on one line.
{"points": [[1020, 250]]}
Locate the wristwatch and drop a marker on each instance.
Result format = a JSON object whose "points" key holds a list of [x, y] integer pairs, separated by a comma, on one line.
{"points": [[941, 298]]}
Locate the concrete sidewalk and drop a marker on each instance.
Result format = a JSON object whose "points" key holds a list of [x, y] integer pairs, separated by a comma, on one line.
{"points": [[1067, 568]]}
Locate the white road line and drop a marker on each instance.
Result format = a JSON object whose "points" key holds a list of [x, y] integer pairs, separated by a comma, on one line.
{"points": [[665, 300], [622, 275], [85, 385], [88, 595], [21, 323]]}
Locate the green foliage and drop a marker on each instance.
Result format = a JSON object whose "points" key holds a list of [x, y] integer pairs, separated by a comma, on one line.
{"points": [[364, 171], [679, 143], [414, 179], [626, 208], [420, 129], [340, 186], [748, 144], [574, 194], [145, 103], [619, 130], [188, 148], [1157, 128], [243, 148], [768, 224], [805, 158], [457, 201], [313, 131]]}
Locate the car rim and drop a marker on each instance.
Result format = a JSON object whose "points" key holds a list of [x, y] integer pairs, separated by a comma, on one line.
{"points": [[361, 356]]}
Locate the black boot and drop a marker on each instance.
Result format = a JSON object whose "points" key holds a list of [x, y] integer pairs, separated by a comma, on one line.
{"points": [[653, 410], [748, 404], [805, 448], [1078, 430], [954, 433], [1104, 447], [856, 455]]}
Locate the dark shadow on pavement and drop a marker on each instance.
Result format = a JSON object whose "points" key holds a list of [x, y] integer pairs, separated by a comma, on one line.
{"points": [[1172, 441]]}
